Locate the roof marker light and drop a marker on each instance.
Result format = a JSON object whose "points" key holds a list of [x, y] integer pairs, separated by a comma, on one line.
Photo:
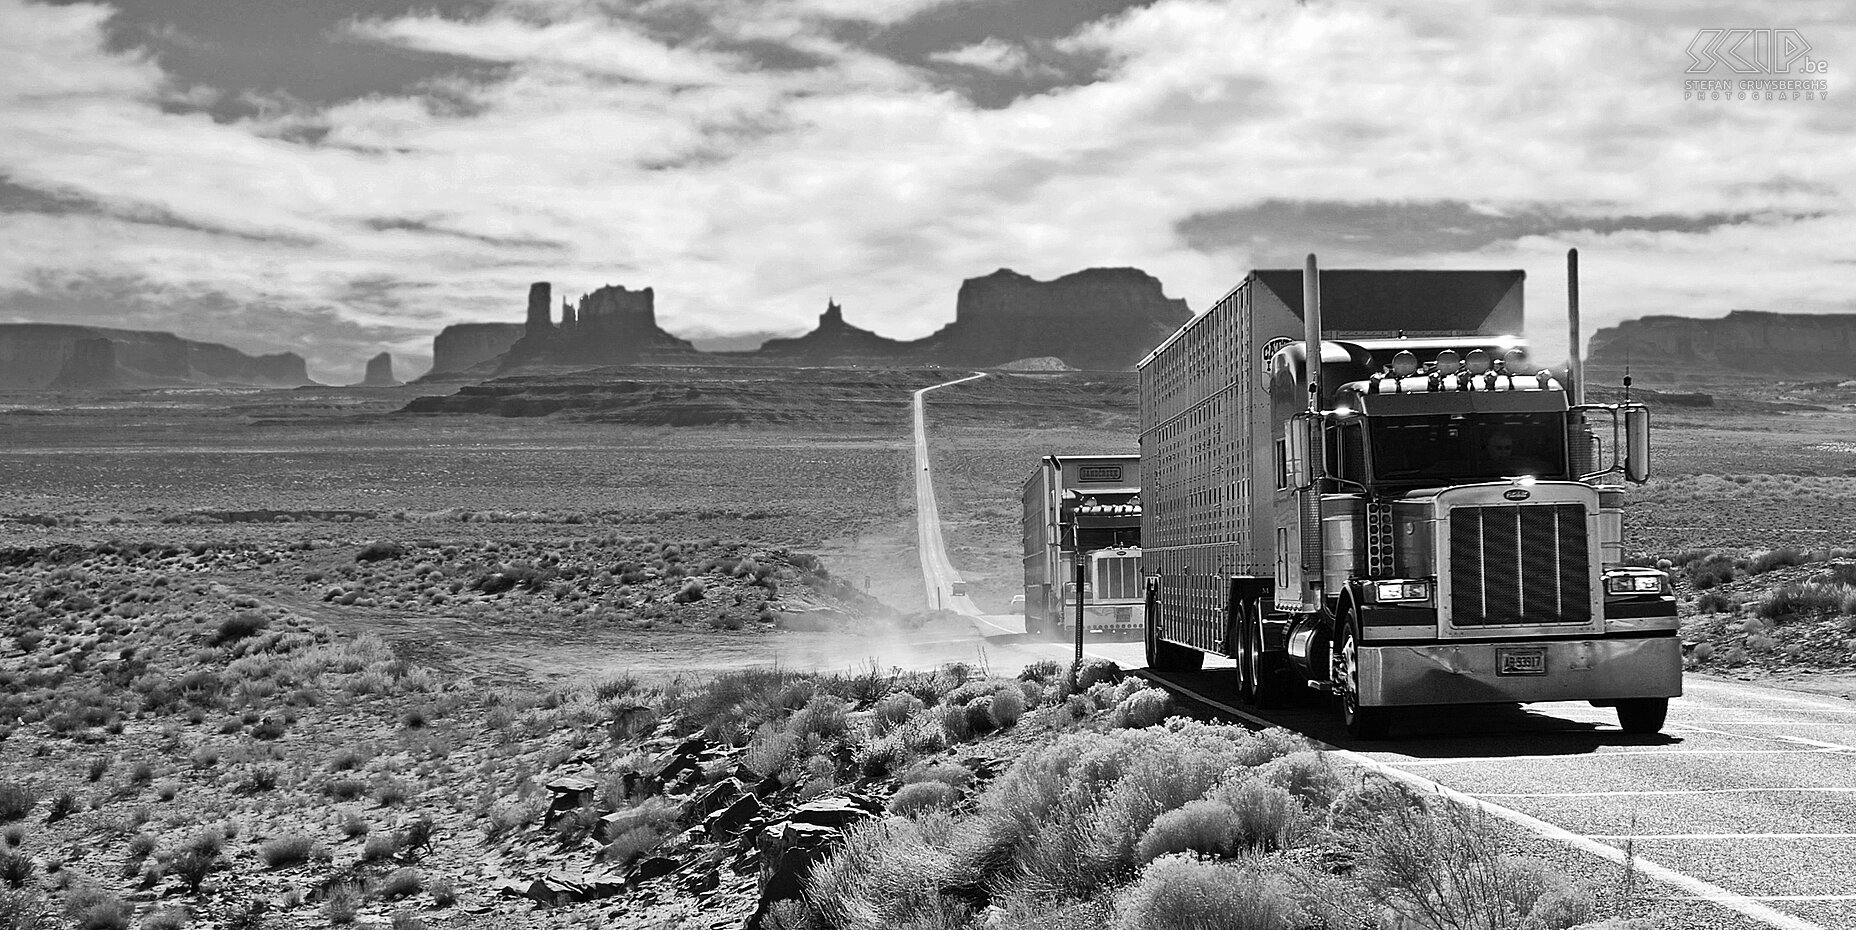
{"points": [[1404, 364], [1514, 360], [1477, 362], [1448, 362]]}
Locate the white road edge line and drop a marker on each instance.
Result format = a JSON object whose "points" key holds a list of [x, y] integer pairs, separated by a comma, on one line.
{"points": [[1694, 887], [1621, 837], [1669, 791]]}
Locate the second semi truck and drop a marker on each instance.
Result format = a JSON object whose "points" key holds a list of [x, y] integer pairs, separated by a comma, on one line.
{"points": [[1087, 504], [1356, 481]]}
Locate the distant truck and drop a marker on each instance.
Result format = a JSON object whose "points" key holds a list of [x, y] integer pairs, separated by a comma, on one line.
{"points": [[1094, 501], [1419, 517]]}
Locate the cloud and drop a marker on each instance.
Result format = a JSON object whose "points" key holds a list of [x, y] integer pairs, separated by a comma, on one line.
{"points": [[749, 160]]}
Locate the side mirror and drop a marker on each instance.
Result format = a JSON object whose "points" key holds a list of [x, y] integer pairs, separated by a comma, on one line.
{"points": [[1637, 444]]}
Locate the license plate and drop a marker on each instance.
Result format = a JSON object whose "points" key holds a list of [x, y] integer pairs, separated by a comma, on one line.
{"points": [[1529, 661]]}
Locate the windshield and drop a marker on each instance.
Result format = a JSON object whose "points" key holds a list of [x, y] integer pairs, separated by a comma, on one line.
{"points": [[1461, 447]]}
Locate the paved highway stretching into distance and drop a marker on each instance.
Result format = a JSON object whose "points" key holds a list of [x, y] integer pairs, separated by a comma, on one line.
{"points": [[1743, 810]]}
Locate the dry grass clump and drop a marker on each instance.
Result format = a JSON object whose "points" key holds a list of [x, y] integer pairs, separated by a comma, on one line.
{"points": [[1184, 826]]}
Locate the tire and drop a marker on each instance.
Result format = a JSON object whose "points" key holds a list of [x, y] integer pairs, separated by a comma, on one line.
{"points": [[1264, 673], [1363, 723], [1240, 633], [1164, 656], [1643, 715]]}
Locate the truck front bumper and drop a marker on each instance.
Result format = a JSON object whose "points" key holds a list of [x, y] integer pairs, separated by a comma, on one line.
{"points": [[1519, 671]]}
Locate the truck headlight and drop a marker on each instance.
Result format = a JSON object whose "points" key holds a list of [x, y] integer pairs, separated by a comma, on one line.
{"points": [[1634, 583], [1392, 592]]}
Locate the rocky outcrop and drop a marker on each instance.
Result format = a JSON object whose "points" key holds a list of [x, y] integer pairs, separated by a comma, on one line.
{"points": [[52, 355], [611, 326], [462, 346], [833, 340], [379, 371], [1796, 344], [1101, 318]]}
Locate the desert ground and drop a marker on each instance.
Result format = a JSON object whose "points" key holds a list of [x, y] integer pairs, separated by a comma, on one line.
{"points": [[305, 658]]}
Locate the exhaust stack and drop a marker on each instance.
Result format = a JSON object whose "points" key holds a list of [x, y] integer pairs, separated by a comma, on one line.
{"points": [[1311, 329], [1576, 368]]}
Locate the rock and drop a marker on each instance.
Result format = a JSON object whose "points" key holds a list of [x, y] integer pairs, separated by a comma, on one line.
{"points": [[611, 326], [716, 796], [380, 371], [654, 867], [734, 818], [35, 355], [1098, 318], [570, 792], [835, 812], [1743, 341], [462, 346], [788, 853]]}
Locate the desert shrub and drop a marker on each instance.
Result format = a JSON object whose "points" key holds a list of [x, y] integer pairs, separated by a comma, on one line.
{"points": [[823, 716], [378, 550], [892, 710], [1769, 559], [1266, 816], [405, 920], [1803, 600], [978, 712], [1144, 708], [956, 724], [400, 883], [341, 904], [257, 781], [1442, 864], [631, 844], [15, 869], [93, 771], [64, 804], [1204, 826], [921, 796], [14, 835], [1008, 705], [92, 908], [1096, 671], [380, 846], [16, 801], [888, 873], [1716, 602], [1709, 570], [279, 852], [1042, 670], [240, 625], [344, 789], [656, 813], [691, 592], [353, 826], [443, 891], [391, 792], [1184, 893], [1307, 775]]}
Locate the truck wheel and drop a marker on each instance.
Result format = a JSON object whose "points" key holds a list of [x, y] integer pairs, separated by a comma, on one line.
{"points": [[1361, 722], [1165, 656], [1260, 670], [1643, 715]]}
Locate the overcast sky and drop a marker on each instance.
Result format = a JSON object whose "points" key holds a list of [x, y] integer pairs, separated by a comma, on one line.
{"points": [[342, 177]]}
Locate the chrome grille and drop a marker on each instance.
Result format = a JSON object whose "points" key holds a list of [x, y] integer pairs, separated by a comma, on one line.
{"points": [[1525, 565], [1118, 578]]}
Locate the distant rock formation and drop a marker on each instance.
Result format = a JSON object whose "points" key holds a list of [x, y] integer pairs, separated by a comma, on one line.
{"points": [[1099, 318], [1798, 344], [611, 326], [833, 340], [380, 371], [63, 357], [463, 346]]}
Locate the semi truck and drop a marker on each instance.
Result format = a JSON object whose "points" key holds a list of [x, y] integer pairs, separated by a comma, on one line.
{"points": [[1087, 507], [1358, 483]]}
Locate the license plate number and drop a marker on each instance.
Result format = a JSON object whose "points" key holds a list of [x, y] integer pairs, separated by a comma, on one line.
{"points": [[1529, 661]]}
